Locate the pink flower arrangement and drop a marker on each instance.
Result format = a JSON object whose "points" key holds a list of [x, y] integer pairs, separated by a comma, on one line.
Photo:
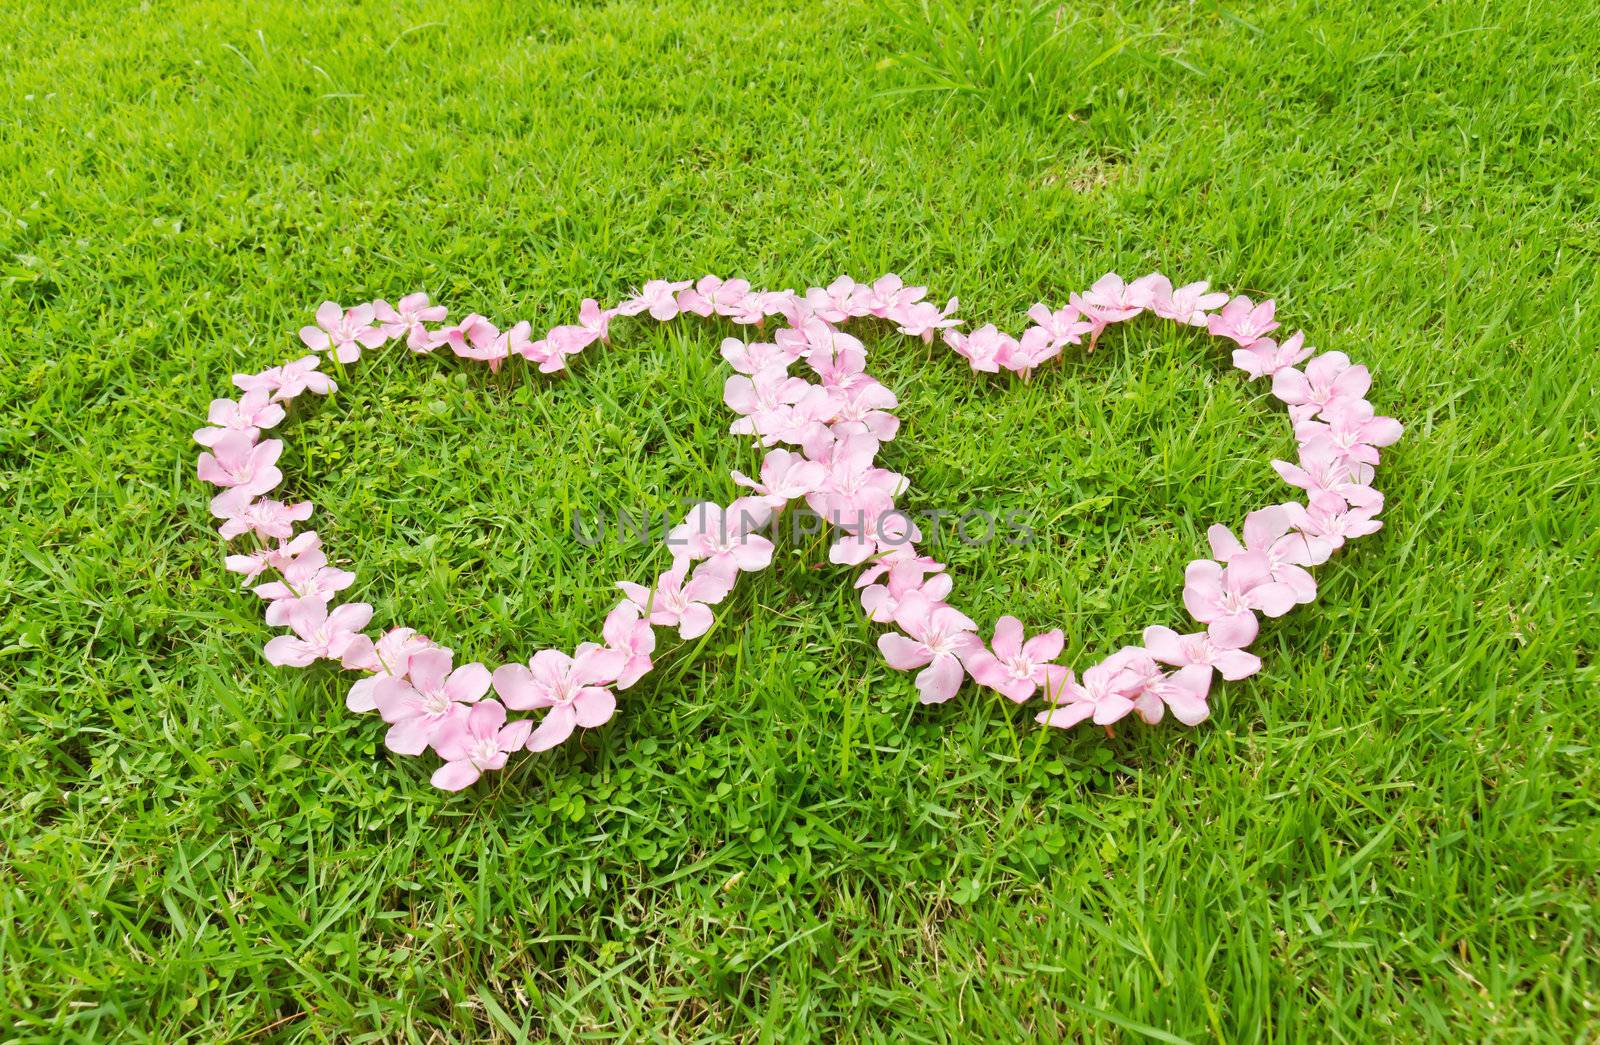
{"points": [[826, 429], [344, 332]]}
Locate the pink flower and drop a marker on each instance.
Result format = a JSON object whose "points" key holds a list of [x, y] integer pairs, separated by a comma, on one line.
{"points": [[627, 634], [1063, 327], [924, 317], [307, 576], [658, 298], [594, 324], [1324, 468], [1035, 349], [549, 353], [1351, 431], [345, 333], [724, 537], [418, 705], [889, 296], [288, 381], [757, 357], [1106, 693], [713, 296], [1108, 301], [838, 359], [1243, 321], [1327, 522], [1267, 534], [1015, 668], [675, 603], [819, 441], [799, 423], [241, 513], [905, 573], [249, 414], [1326, 378], [237, 462], [1187, 305], [785, 475], [937, 637], [892, 533], [1227, 598], [318, 634], [760, 396], [388, 658], [841, 299], [1266, 357], [986, 348], [865, 410], [476, 338], [476, 743], [573, 688], [856, 494], [1184, 691], [758, 306], [1112, 299], [253, 564], [408, 318], [1197, 649], [730, 297], [594, 319]]}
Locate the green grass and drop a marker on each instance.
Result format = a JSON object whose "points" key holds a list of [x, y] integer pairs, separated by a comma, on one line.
{"points": [[1391, 833]]}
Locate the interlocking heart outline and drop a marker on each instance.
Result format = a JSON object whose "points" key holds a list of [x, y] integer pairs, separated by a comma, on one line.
{"points": [[824, 432]]}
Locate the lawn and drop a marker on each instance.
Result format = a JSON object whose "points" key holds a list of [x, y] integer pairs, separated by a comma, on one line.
{"points": [[1392, 832]]}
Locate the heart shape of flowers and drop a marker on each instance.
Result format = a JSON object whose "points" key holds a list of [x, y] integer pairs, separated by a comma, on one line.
{"points": [[824, 427]]}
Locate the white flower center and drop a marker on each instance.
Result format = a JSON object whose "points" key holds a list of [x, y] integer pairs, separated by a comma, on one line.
{"points": [[566, 691], [1020, 666], [482, 752]]}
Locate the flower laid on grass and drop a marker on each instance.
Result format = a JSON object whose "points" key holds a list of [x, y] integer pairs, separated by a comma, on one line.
{"points": [[1016, 668], [826, 431], [1269, 535], [1327, 377], [418, 704], [986, 349], [682, 600], [237, 462], [937, 637], [1105, 695], [574, 689], [318, 634], [388, 658], [344, 332], [409, 318], [628, 633], [1244, 321], [280, 557], [1267, 358], [1190, 305], [306, 576], [1109, 301], [1198, 650], [266, 519], [1227, 598], [475, 743], [254, 411], [289, 381]]}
